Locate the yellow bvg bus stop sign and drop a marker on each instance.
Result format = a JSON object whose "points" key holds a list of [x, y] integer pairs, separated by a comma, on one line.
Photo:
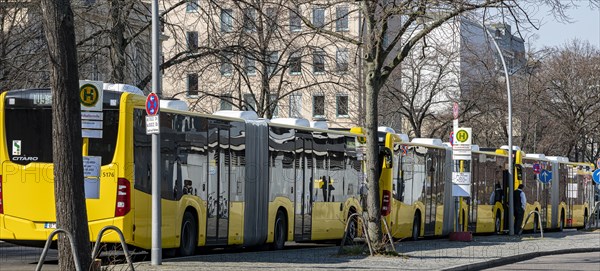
{"points": [[90, 95], [462, 136]]}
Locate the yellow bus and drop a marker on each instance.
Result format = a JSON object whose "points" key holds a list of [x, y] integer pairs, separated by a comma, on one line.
{"points": [[225, 180], [572, 192], [537, 190], [421, 198], [488, 212]]}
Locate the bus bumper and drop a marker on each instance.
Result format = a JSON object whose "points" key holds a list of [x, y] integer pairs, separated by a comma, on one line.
{"points": [[16, 229]]}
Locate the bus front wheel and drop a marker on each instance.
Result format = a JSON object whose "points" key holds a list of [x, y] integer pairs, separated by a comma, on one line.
{"points": [[416, 228], [280, 234], [188, 240]]}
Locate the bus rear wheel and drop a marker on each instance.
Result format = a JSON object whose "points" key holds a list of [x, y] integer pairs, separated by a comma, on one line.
{"points": [[416, 228], [497, 224], [189, 237], [280, 231], [561, 226]]}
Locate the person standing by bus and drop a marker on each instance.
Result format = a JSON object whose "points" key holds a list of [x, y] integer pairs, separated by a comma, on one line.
{"points": [[519, 204], [497, 195]]}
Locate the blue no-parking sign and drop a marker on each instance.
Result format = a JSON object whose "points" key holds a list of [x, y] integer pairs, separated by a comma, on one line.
{"points": [[152, 104]]}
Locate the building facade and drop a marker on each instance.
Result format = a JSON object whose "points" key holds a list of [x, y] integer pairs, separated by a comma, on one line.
{"points": [[231, 56]]}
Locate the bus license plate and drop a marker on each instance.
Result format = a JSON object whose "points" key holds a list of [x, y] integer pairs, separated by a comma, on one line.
{"points": [[49, 225]]}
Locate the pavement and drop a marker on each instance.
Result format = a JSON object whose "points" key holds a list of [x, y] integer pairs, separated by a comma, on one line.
{"points": [[430, 254]]}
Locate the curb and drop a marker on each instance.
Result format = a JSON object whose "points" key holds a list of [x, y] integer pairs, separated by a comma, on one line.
{"points": [[519, 258]]}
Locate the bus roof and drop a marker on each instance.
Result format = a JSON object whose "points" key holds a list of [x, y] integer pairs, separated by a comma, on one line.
{"points": [[561, 159], [245, 115], [535, 156], [428, 141]]}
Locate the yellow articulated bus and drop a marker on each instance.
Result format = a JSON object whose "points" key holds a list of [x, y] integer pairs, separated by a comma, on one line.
{"points": [[415, 191], [572, 192], [488, 207], [225, 180], [538, 190]]}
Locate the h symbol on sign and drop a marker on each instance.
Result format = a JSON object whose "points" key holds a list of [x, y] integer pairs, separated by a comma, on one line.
{"points": [[89, 94]]}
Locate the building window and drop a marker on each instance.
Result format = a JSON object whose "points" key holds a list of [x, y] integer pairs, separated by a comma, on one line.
{"points": [[192, 84], [319, 106], [249, 102], [249, 20], [226, 66], [318, 17], [273, 100], [226, 102], [250, 65], [295, 63], [272, 19], [341, 19], [192, 5], [341, 60], [226, 20], [295, 21], [341, 104], [318, 61], [192, 40], [272, 58], [295, 106]]}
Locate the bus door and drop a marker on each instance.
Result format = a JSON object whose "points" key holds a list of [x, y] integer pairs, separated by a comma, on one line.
{"points": [[505, 185], [303, 185], [430, 194], [571, 193], [218, 184]]}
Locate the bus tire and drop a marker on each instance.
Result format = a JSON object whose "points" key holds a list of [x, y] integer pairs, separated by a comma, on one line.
{"points": [[498, 223], [536, 222], [352, 230], [561, 224], [416, 230], [189, 235], [280, 231]]}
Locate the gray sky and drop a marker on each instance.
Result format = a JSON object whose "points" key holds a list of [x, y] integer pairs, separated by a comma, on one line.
{"points": [[585, 25]]}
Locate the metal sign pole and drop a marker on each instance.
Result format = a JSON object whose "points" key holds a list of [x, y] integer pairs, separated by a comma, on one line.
{"points": [[156, 253]]}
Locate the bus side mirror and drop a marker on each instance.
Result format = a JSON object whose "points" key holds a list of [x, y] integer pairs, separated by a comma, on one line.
{"points": [[387, 157]]}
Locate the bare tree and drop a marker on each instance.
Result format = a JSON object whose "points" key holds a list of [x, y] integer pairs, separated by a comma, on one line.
{"points": [[66, 133], [570, 98], [423, 90], [247, 57], [22, 57]]}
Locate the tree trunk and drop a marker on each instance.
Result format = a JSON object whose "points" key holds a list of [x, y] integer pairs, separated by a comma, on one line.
{"points": [[117, 41], [372, 86], [66, 133]]}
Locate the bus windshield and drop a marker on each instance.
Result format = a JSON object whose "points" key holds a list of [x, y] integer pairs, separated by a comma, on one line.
{"points": [[28, 126]]}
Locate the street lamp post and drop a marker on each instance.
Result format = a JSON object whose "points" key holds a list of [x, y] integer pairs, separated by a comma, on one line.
{"points": [[511, 184]]}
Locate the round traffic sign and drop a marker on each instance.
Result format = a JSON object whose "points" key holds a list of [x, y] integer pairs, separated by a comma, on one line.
{"points": [[152, 104], [536, 168], [88, 95], [596, 176], [545, 176]]}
